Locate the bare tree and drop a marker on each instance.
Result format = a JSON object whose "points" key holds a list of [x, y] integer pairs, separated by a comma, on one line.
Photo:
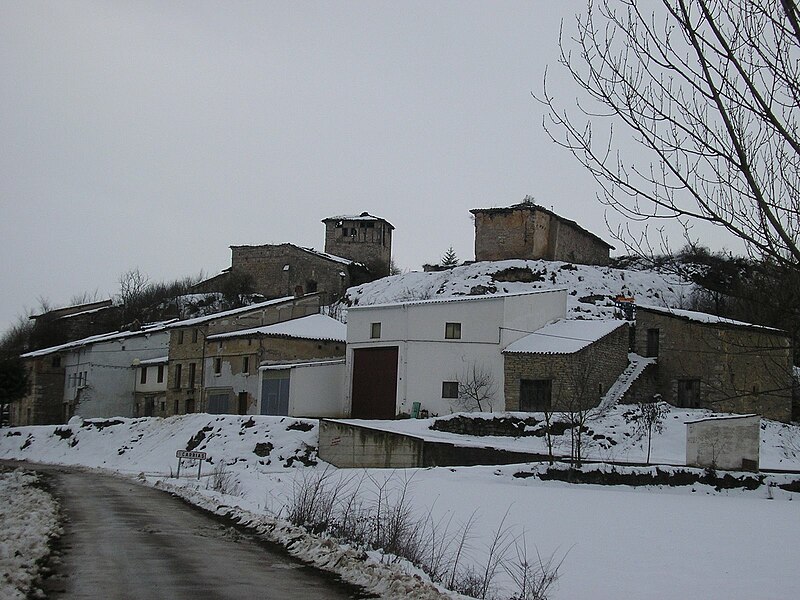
{"points": [[477, 388], [709, 88], [132, 285], [649, 419]]}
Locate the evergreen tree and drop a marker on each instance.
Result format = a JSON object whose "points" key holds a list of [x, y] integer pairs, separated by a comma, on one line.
{"points": [[449, 259]]}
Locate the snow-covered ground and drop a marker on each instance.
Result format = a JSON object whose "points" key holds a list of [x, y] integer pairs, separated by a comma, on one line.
{"points": [[689, 541], [591, 289], [28, 520]]}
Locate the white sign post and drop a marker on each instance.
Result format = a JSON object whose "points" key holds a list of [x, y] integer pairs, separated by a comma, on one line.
{"points": [[190, 455]]}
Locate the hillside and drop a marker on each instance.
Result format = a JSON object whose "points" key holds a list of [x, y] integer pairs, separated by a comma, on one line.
{"points": [[591, 289]]}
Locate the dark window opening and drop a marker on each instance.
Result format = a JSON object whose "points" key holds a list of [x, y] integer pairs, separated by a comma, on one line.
{"points": [[688, 393], [245, 365], [143, 377], [375, 331], [243, 403], [178, 373], [217, 366], [535, 395], [56, 361], [652, 342], [449, 389], [189, 405], [160, 377], [311, 286], [452, 331], [192, 373]]}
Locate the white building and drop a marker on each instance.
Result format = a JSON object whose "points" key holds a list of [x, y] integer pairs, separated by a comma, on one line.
{"points": [[310, 389], [98, 381], [150, 386], [402, 354]]}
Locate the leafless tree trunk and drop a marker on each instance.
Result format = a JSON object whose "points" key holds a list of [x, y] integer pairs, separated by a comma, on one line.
{"points": [[477, 388], [708, 91]]}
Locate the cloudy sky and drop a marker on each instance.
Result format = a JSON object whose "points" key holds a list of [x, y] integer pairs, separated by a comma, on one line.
{"points": [[157, 134]]}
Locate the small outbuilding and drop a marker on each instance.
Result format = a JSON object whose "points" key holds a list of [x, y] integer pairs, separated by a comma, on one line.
{"points": [[728, 443]]}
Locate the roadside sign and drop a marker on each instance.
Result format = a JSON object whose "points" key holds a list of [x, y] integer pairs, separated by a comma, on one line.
{"points": [[182, 455]]}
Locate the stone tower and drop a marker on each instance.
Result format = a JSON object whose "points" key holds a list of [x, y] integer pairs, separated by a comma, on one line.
{"points": [[362, 238]]}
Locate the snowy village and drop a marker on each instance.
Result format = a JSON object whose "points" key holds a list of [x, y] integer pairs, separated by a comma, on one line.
{"points": [[570, 410]]}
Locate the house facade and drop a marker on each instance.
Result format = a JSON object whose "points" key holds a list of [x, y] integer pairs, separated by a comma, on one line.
{"points": [[565, 366], [531, 232], [150, 386], [234, 381], [42, 404], [408, 357], [188, 344], [704, 361]]}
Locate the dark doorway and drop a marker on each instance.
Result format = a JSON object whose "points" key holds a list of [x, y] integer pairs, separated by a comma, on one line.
{"points": [[535, 395], [149, 406], [374, 391], [652, 342], [688, 393], [243, 403]]}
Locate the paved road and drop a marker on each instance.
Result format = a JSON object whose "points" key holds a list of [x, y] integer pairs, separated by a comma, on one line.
{"points": [[124, 541]]}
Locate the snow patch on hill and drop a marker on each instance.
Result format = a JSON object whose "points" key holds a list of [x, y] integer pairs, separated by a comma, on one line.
{"points": [[591, 289]]}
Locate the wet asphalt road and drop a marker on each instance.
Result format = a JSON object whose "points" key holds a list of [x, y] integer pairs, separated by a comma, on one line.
{"points": [[124, 541]]}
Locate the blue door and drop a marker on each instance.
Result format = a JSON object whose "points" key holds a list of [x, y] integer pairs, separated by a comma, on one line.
{"points": [[275, 396]]}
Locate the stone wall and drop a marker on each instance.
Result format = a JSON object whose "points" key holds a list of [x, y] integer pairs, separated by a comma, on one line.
{"points": [[740, 369], [364, 241], [307, 271], [43, 405], [578, 379], [532, 233]]}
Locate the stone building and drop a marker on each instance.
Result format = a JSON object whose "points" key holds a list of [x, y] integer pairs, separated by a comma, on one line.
{"points": [[62, 325], [187, 344], [363, 238], [358, 249], [704, 361], [568, 365], [528, 231], [235, 384], [42, 404]]}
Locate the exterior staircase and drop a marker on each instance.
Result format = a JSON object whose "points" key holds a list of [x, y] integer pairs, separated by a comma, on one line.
{"points": [[636, 366]]}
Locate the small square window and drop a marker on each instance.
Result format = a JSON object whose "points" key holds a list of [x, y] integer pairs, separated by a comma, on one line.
{"points": [[375, 331], [449, 389], [452, 331]]}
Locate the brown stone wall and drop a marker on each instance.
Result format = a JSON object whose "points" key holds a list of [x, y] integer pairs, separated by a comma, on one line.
{"points": [[371, 244], [159, 400], [579, 377], [43, 405], [741, 370], [530, 234], [307, 271]]}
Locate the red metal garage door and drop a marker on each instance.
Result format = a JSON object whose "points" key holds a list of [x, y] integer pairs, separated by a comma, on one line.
{"points": [[374, 383]]}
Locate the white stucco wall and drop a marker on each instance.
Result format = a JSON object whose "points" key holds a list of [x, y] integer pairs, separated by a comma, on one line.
{"points": [[227, 380], [426, 358], [152, 385], [724, 442], [110, 381], [317, 391]]}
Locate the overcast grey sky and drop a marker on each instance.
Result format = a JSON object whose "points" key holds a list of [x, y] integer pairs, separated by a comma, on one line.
{"points": [[157, 134]]}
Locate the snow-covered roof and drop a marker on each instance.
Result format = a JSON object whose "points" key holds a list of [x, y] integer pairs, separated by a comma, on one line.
{"points": [[722, 418], [151, 361], [333, 257], [446, 299], [297, 365], [95, 339], [230, 313], [364, 216], [564, 336], [700, 317], [311, 327]]}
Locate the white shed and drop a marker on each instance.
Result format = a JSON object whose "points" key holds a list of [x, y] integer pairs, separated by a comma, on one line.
{"points": [[306, 389], [729, 442]]}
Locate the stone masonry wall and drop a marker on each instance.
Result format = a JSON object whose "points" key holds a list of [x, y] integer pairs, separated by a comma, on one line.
{"points": [[585, 375], [307, 271], [741, 370], [43, 405], [531, 234], [371, 246]]}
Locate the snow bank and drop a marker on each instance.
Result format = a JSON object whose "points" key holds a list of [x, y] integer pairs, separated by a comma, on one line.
{"points": [[29, 519]]}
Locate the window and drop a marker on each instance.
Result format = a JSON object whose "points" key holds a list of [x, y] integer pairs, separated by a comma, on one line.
{"points": [[375, 331], [217, 366], [688, 393], [160, 377], [178, 373], [245, 365], [177, 406], [194, 336], [180, 336], [652, 342], [192, 373], [535, 395], [143, 376], [449, 389], [452, 331], [311, 286], [56, 361]]}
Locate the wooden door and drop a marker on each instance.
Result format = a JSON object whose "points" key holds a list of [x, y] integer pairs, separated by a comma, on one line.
{"points": [[374, 391]]}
